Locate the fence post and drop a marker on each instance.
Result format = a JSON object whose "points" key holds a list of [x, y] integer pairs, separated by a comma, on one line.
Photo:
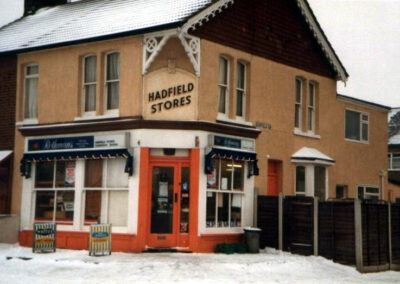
{"points": [[358, 234], [316, 225], [390, 233], [280, 220]]}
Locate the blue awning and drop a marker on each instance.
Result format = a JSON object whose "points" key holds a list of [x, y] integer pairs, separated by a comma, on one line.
{"points": [[251, 157], [28, 158]]}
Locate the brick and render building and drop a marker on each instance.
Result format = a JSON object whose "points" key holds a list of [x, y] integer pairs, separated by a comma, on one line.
{"points": [[165, 118]]}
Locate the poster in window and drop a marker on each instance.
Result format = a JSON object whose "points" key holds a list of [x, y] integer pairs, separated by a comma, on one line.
{"points": [[70, 174], [212, 179], [163, 188]]}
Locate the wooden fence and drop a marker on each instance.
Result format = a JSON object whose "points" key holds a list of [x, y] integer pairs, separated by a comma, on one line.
{"points": [[351, 232]]}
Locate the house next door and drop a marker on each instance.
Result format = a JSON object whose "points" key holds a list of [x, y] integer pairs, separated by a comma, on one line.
{"points": [[169, 216]]}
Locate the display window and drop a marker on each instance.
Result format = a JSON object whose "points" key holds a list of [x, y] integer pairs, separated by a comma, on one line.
{"points": [[55, 191], [225, 194], [106, 192]]}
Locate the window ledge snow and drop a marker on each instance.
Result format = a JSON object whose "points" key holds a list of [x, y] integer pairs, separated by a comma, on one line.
{"points": [[357, 141], [27, 122], [224, 118], [306, 134], [96, 117]]}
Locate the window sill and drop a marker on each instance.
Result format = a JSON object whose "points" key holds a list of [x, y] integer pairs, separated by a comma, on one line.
{"points": [[27, 122], [96, 117], [306, 134], [223, 118], [357, 141], [218, 231]]}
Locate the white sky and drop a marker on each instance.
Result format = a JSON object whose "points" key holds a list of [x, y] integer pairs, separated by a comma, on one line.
{"points": [[364, 33]]}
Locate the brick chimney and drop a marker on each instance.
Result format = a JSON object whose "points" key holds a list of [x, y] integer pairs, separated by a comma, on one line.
{"points": [[31, 6]]}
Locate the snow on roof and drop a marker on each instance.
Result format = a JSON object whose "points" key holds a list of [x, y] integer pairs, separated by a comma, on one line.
{"points": [[394, 140], [93, 18], [4, 154], [306, 153]]}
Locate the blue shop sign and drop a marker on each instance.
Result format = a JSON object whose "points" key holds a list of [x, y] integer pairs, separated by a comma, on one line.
{"points": [[61, 143], [227, 142]]}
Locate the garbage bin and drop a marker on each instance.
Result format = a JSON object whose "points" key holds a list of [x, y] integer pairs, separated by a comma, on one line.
{"points": [[252, 236]]}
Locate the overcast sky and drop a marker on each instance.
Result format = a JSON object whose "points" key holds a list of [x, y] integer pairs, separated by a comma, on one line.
{"points": [[364, 33]]}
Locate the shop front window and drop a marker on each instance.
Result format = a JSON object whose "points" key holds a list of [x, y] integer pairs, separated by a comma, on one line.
{"points": [[106, 192], [55, 191], [225, 194]]}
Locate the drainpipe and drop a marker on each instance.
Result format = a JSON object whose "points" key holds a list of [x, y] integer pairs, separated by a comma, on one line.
{"points": [[382, 175]]}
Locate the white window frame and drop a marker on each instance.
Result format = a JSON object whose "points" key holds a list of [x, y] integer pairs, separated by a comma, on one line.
{"points": [[84, 84], [365, 193], [56, 190], [111, 112], [361, 122], [311, 108], [224, 115], [390, 161], [33, 120], [300, 104], [310, 178], [244, 96], [231, 192], [104, 206]]}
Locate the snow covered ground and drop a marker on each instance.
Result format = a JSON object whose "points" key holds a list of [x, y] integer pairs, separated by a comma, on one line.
{"points": [[270, 266]]}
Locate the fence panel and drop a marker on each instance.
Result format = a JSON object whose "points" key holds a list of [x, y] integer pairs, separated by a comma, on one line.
{"points": [[268, 218], [298, 223], [395, 218], [336, 239], [375, 236]]}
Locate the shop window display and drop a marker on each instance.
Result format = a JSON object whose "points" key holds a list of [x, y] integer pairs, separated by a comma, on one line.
{"points": [[225, 194]]}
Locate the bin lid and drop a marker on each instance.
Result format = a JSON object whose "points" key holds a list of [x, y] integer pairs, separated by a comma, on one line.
{"points": [[252, 229]]}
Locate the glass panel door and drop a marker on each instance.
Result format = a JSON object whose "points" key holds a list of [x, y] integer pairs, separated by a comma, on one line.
{"points": [[162, 200], [185, 194]]}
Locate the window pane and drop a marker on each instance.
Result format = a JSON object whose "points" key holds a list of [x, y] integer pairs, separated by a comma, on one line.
{"points": [[298, 91], [90, 97], [185, 195], [44, 174], [65, 206], [44, 205], [241, 73], [310, 119], [31, 94], [32, 70], [236, 210], [352, 125], [360, 191], [372, 190], [223, 209], [365, 131], [239, 102], [223, 71], [116, 176], [90, 69], [113, 66], [65, 174], [238, 175], [222, 99], [113, 95], [311, 94], [396, 161], [341, 191], [211, 203], [300, 179], [118, 208], [213, 178], [297, 116], [93, 206], [226, 174], [94, 173]]}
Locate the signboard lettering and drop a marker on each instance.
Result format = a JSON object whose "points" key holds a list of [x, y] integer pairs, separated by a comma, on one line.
{"points": [[62, 143], [177, 96], [227, 142]]}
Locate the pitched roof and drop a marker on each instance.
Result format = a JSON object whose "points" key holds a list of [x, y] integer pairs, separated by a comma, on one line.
{"points": [[90, 19]]}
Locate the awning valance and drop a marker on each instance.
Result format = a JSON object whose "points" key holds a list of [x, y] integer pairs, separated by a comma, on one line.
{"points": [[251, 157], [28, 158]]}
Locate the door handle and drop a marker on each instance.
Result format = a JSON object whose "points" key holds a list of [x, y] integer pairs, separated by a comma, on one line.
{"points": [[176, 197]]}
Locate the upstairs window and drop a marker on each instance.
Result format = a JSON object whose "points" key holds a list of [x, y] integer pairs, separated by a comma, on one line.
{"points": [[112, 81], [89, 84], [298, 103], [241, 90], [357, 126], [31, 79], [223, 85], [311, 107]]}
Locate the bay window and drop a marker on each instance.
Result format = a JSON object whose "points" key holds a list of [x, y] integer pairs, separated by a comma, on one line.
{"points": [[241, 90], [106, 192], [223, 97], [225, 194], [112, 81], [55, 191], [357, 126], [89, 84], [31, 80]]}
